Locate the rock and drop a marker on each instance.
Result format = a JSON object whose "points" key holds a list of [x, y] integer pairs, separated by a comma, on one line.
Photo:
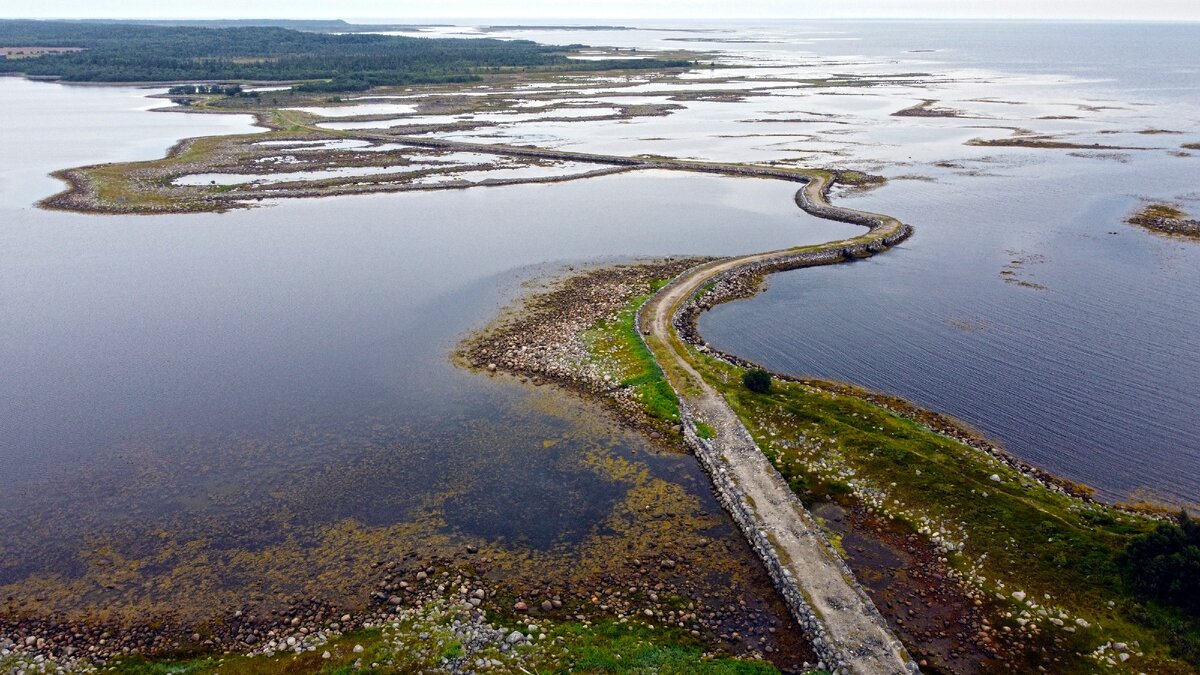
{"points": [[547, 605], [479, 593], [30, 641], [514, 638], [667, 564], [345, 618], [472, 549], [520, 606], [394, 600], [491, 367], [1019, 596], [358, 649], [326, 655], [995, 477]]}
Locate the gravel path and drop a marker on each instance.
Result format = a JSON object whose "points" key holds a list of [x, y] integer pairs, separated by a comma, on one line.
{"points": [[858, 639]]}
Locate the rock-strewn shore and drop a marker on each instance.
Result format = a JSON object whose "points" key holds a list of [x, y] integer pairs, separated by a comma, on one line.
{"points": [[495, 626], [542, 339], [1166, 219]]}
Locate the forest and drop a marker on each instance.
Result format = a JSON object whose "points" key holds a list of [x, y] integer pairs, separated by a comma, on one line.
{"points": [[120, 52]]}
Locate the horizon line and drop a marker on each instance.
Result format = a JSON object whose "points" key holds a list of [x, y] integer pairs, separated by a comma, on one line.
{"points": [[581, 21]]}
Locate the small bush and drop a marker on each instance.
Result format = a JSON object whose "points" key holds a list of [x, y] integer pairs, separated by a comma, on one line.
{"points": [[1165, 564], [757, 381]]}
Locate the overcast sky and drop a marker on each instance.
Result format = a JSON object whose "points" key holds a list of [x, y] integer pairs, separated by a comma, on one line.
{"points": [[376, 10]]}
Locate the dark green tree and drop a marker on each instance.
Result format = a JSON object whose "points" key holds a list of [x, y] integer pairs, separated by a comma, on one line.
{"points": [[757, 380], [1164, 565]]}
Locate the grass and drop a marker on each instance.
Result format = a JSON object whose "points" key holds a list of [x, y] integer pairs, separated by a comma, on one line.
{"points": [[570, 647], [1002, 531], [617, 648], [617, 345], [1164, 211]]}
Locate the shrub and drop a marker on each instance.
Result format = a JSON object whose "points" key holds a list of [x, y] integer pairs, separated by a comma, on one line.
{"points": [[757, 380], [1165, 564]]}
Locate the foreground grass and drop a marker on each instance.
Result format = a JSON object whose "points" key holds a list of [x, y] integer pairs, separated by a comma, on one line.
{"points": [[569, 647], [1047, 564]]}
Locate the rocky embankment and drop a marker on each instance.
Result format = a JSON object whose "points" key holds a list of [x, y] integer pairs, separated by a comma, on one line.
{"points": [[543, 338]]}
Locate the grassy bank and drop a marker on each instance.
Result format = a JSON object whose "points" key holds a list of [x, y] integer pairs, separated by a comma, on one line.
{"points": [[1045, 565], [617, 345]]}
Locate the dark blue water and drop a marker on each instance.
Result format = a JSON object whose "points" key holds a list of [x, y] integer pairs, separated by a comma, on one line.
{"points": [[1090, 371], [1159, 61], [246, 379]]}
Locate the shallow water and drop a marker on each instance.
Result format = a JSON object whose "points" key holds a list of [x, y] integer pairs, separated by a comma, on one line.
{"points": [[220, 381]]}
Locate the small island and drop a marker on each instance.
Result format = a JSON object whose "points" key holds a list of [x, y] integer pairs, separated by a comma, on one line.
{"points": [[1166, 219]]}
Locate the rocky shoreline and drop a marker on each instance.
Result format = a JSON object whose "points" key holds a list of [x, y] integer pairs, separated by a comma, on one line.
{"points": [[541, 340], [1166, 219], [492, 622]]}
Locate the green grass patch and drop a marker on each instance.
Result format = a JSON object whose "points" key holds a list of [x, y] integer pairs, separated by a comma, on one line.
{"points": [[616, 345], [630, 648]]}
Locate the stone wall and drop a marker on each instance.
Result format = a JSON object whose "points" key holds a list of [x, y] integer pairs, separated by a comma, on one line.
{"points": [[883, 233]]}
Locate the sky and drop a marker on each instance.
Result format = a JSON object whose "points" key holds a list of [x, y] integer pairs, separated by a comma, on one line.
{"points": [[402, 10]]}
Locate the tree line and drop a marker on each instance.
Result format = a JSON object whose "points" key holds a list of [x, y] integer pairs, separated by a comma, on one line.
{"points": [[116, 52]]}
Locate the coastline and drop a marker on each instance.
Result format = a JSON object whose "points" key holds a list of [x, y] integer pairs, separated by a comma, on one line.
{"points": [[744, 276]]}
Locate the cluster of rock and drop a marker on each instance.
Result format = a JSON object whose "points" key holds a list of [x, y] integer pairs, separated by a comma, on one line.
{"points": [[544, 340], [1167, 220], [24, 657], [928, 108]]}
